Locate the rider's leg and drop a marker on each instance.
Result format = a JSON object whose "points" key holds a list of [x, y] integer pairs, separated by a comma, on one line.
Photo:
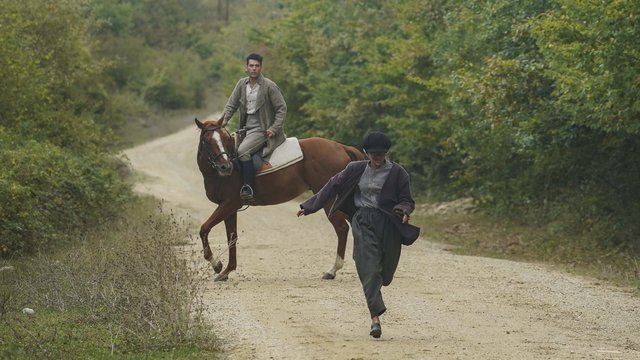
{"points": [[246, 191], [253, 142]]}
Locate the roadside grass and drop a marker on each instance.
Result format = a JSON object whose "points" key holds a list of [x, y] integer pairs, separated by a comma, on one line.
{"points": [[468, 232], [121, 291]]}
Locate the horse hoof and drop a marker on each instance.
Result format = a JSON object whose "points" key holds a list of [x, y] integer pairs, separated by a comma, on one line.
{"points": [[224, 277], [328, 276], [217, 267]]}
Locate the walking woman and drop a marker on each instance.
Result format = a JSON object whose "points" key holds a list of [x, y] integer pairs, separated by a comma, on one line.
{"points": [[376, 196]]}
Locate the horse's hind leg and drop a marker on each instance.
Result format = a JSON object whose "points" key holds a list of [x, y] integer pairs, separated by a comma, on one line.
{"points": [[231, 226], [340, 225]]}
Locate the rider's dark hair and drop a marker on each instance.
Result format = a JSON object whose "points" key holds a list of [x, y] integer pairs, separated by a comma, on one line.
{"points": [[254, 56]]}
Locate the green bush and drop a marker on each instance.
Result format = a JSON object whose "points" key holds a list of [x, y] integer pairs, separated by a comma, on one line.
{"points": [[49, 194], [522, 105]]}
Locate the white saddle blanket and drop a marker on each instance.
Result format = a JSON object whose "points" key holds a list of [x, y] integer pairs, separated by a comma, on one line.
{"points": [[288, 153]]}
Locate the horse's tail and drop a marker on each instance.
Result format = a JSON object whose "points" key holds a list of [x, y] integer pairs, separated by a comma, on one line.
{"points": [[354, 154]]}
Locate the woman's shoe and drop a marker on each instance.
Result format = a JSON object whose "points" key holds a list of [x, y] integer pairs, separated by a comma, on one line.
{"points": [[376, 330]]}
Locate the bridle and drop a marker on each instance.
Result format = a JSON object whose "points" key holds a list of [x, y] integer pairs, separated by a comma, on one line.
{"points": [[205, 151]]}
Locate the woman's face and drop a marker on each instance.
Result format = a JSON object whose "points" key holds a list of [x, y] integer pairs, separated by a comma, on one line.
{"points": [[377, 159]]}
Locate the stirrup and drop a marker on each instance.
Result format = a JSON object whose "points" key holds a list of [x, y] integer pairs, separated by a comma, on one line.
{"points": [[246, 192]]}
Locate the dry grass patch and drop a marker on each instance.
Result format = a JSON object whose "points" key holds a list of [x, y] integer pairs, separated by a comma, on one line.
{"points": [[120, 290], [468, 232]]}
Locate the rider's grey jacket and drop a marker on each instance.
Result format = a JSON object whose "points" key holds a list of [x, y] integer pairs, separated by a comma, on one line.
{"points": [[270, 108]]}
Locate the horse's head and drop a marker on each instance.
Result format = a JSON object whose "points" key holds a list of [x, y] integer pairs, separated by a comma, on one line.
{"points": [[216, 146]]}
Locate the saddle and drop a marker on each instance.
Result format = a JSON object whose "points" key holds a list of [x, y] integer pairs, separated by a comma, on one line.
{"points": [[286, 154]]}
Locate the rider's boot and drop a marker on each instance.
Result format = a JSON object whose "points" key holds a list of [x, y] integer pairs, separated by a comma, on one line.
{"points": [[246, 192]]}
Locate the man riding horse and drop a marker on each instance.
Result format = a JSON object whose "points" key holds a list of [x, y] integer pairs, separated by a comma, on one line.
{"points": [[262, 113]]}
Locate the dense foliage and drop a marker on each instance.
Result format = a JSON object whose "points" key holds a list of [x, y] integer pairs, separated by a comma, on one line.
{"points": [[55, 176], [532, 108], [75, 74]]}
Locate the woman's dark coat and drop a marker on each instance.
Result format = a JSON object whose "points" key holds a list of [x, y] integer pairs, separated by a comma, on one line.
{"points": [[395, 195]]}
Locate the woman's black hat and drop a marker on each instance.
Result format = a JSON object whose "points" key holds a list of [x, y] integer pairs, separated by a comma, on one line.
{"points": [[376, 142]]}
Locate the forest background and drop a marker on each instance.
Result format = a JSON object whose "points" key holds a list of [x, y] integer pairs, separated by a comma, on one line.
{"points": [[530, 109]]}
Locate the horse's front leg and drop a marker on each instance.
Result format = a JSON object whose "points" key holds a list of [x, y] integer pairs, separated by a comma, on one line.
{"points": [[231, 225], [219, 214]]}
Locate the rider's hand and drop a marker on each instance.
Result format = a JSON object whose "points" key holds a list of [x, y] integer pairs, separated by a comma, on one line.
{"points": [[300, 212], [269, 133]]}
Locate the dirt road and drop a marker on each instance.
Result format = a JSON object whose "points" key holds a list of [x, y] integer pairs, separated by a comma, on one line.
{"points": [[440, 306]]}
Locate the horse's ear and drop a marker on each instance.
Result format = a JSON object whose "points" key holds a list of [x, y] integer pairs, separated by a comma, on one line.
{"points": [[221, 121], [199, 123]]}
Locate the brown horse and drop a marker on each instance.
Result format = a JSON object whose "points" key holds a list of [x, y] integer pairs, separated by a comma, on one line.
{"points": [[322, 159]]}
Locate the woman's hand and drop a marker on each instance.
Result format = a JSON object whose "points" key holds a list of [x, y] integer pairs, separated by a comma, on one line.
{"points": [[300, 212], [405, 217]]}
